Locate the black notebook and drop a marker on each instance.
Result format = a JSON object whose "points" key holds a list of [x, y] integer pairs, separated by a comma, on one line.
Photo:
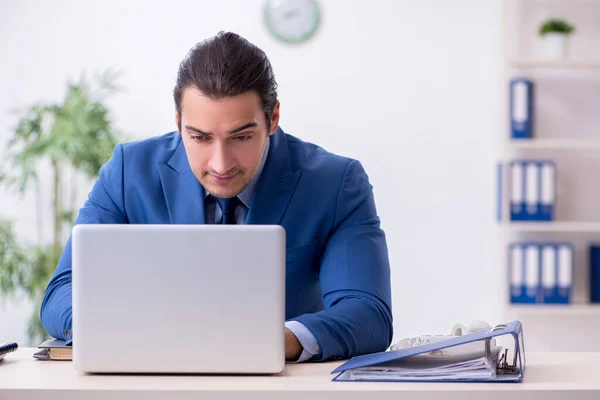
{"points": [[6, 348]]}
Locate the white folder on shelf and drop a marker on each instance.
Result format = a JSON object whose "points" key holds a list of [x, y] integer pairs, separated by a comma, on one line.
{"points": [[565, 273], [532, 190], [532, 273], [517, 193]]}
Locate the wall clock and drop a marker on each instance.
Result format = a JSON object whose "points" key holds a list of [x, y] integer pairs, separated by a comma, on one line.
{"points": [[292, 21]]}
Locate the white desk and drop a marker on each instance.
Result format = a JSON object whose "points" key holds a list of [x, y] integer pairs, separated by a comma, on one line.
{"points": [[570, 376]]}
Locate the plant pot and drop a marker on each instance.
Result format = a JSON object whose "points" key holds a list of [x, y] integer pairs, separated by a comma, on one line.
{"points": [[556, 45]]}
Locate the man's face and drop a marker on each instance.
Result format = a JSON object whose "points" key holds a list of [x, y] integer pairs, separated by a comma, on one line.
{"points": [[224, 139]]}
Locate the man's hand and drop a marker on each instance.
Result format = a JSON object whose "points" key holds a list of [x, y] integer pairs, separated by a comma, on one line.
{"points": [[293, 348]]}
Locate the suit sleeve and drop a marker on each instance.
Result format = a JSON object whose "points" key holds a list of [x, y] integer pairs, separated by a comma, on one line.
{"points": [[354, 277], [306, 338], [105, 205]]}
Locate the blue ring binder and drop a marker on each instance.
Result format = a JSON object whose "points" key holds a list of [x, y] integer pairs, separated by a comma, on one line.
{"points": [[504, 371]]}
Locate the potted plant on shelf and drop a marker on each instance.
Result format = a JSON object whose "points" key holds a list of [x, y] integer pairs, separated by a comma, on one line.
{"points": [[555, 35]]}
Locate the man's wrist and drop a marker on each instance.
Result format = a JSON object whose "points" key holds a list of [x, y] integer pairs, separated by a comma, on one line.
{"points": [[293, 347]]}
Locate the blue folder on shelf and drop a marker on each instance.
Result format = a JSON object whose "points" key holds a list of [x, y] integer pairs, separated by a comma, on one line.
{"points": [[521, 108], [487, 360]]}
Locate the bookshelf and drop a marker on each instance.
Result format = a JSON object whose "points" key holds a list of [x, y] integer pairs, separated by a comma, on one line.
{"points": [[556, 311], [554, 226], [568, 64], [554, 144], [566, 131]]}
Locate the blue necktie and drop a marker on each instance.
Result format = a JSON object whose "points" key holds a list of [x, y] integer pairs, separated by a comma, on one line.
{"points": [[228, 207]]}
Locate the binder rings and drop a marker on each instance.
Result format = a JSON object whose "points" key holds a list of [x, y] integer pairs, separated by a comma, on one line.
{"points": [[521, 108], [425, 363]]}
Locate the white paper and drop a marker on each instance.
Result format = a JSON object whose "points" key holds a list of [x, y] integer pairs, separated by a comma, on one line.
{"points": [[429, 367]]}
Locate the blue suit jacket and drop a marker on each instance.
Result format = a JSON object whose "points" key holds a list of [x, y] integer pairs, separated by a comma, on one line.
{"points": [[338, 275]]}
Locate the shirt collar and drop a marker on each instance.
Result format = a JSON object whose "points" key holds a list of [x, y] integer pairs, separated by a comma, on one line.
{"points": [[246, 195]]}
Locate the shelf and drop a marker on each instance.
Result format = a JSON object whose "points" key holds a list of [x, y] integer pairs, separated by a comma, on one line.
{"points": [[557, 144], [555, 64], [552, 226], [583, 309]]}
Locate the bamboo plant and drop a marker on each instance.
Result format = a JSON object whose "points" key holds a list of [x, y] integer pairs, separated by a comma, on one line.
{"points": [[68, 139]]}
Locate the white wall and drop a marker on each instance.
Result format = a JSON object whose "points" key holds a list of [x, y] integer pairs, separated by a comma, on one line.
{"points": [[412, 89]]}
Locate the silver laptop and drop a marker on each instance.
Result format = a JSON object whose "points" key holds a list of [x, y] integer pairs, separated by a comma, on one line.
{"points": [[178, 298]]}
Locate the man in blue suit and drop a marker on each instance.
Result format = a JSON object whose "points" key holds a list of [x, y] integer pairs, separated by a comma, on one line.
{"points": [[230, 162]]}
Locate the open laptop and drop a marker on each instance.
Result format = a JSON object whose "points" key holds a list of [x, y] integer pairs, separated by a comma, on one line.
{"points": [[178, 298]]}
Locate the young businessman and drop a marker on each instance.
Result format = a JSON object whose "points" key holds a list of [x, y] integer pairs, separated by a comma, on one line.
{"points": [[230, 162]]}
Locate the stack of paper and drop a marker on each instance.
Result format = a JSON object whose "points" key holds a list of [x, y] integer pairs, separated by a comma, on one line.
{"points": [[427, 367]]}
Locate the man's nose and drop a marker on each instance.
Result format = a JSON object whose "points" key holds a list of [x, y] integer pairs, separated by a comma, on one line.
{"points": [[221, 160]]}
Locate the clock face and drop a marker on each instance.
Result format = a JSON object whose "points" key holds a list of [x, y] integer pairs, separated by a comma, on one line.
{"points": [[292, 21]]}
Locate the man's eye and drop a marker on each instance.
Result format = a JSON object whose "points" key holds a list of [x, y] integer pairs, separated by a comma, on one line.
{"points": [[243, 138], [196, 138]]}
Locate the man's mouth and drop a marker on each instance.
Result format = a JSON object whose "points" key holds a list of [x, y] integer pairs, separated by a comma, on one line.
{"points": [[223, 178]]}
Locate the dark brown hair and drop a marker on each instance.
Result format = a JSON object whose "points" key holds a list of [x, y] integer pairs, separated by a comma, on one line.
{"points": [[227, 65]]}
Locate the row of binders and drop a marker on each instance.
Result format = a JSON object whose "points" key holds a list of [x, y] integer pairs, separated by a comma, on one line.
{"points": [[532, 190], [541, 272]]}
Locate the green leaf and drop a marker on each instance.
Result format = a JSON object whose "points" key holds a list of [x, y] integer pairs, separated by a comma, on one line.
{"points": [[68, 216], [13, 261]]}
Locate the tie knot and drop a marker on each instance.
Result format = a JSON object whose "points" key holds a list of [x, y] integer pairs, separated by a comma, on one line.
{"points": [[228, 209]]}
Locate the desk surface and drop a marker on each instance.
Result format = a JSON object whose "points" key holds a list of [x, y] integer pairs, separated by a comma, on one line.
{"points": [[548, 376]]}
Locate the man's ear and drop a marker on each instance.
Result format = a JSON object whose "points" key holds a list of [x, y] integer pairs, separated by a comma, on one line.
{"points": [[274, 119]]}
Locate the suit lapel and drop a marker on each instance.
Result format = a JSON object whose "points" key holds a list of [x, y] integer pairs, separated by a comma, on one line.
{"points": [[275, 185], [184, 195]]}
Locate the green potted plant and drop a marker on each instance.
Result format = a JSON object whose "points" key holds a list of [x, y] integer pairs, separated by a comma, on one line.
{"points": [[55, 142], [555, 35]]}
